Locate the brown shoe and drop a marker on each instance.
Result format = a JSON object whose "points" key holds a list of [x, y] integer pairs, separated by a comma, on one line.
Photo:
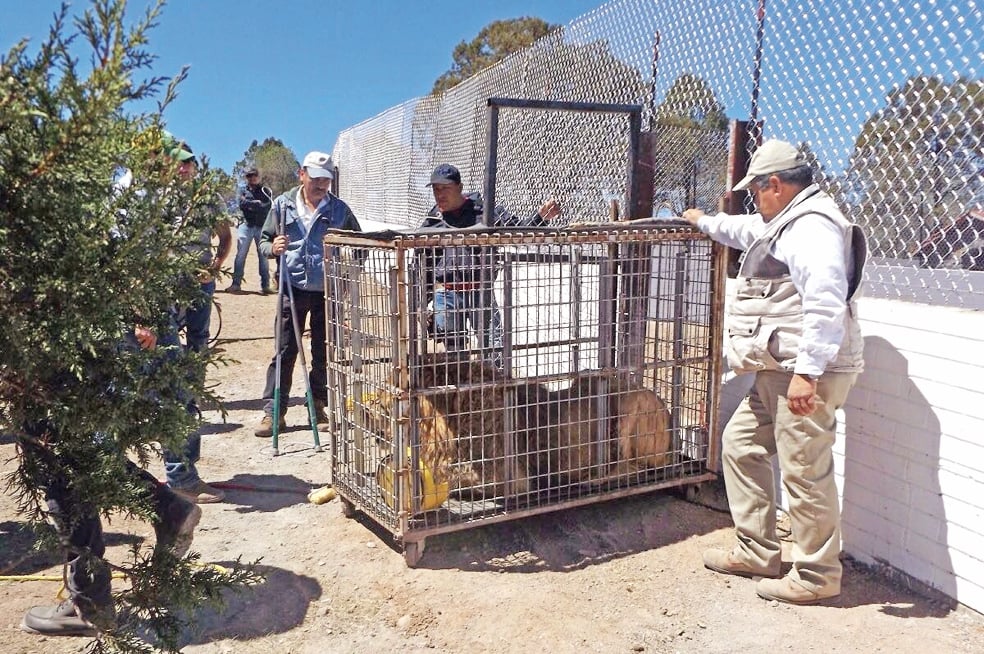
{"points": [[200, 493], [62, 620], [788, 591], [728, 564], [265, 430]]}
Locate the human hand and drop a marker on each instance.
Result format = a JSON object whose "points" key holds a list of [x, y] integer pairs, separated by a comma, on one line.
{"points": [[279, 245], [692, 215], [801, 396], [146, 338], [550, 209]]}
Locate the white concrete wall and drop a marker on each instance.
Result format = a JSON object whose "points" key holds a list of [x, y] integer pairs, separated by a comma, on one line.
{"points": [[910, 452]]}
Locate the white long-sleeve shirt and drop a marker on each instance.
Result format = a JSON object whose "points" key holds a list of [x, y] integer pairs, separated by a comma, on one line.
{"points": [[813, 249]]}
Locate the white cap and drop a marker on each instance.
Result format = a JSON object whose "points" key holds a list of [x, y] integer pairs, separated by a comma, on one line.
{"points": [[772, 157], [318, 164]]}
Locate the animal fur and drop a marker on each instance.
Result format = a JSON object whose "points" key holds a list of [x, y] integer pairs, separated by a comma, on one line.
{"points": [[581, 450], [560, 437], [462, 429]]}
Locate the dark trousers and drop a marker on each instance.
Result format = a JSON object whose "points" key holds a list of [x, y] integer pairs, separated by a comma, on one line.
{"points": [[88, 578], [305, 303]]}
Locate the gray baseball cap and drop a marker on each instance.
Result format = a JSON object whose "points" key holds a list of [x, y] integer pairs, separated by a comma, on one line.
{"points": [[771, 157]]}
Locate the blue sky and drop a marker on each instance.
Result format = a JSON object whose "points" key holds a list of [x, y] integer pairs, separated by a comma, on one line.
{"points": [[298, 70]]}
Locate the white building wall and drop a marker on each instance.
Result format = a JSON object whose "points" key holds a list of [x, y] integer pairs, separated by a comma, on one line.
{"points": [[910, 452]]}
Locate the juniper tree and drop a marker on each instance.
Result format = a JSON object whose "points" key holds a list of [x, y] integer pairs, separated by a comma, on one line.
{"points": [[81, 262]]}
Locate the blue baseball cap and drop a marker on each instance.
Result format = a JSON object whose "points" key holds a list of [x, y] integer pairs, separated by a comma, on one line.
{"points": [[445, 174]]}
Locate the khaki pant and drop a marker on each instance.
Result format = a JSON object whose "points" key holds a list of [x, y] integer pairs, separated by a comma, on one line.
{"points": [[763, 427]]}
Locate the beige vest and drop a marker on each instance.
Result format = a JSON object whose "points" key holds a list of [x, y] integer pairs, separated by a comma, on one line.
{"points": [[765, 322]]}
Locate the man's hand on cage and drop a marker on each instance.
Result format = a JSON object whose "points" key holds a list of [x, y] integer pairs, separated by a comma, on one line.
{"points": [[692, 215]]}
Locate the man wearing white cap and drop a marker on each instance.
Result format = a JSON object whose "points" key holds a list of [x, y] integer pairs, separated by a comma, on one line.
{"points": [[296, 227], [793, 323]]}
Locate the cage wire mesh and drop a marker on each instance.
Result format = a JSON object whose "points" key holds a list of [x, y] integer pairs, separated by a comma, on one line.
{"points": [[885, 97], [596, 383]]}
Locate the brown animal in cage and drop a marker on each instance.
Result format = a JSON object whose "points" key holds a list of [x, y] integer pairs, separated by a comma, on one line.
{"points": [[578, 449], [461, 425], [559, 436], [462, 429]]}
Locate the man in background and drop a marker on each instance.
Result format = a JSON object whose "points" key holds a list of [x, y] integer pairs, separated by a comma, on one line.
{"points": [[254, 202], [460, 278], [296, 228]]}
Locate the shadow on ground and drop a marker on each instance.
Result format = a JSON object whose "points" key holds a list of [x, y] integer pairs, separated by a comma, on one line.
{"points": [[275, 606], [574, 538], [250, 493]]}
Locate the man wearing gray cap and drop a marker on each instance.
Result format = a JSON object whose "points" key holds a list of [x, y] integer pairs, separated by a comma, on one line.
{"points": [[793, 323], [296, 227]]}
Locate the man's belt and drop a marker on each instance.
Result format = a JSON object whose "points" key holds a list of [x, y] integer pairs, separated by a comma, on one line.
{"points": [[459, 286]]}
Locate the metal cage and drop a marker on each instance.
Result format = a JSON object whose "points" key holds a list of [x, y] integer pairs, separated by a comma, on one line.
{"points": [[580, 365]]}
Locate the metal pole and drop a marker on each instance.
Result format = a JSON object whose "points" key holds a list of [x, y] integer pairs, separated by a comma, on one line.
{"points": [[757, 70], [491, 164]]}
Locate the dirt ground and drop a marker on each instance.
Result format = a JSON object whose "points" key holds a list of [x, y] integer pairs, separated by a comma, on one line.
{"points": [[621, 576]]}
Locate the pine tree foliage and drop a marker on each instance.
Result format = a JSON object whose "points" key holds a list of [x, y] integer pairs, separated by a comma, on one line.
{"points": [[81, 262], [494, 42]]}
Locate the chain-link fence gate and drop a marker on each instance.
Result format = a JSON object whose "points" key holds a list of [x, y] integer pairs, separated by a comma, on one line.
{"points": [[886, 98]]}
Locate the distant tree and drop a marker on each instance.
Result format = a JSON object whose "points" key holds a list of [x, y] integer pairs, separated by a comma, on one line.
{"points": [[917, 163], [691, 129], [81, 260], [690, 102], [494, 42], [278, 165]]}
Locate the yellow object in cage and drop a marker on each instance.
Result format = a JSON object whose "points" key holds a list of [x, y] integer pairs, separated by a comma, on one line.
{"points": [[367, 399], [433, 494]]}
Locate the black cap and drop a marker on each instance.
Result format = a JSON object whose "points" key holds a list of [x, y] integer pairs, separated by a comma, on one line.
{"points": [[252, 171], [445, 174]]}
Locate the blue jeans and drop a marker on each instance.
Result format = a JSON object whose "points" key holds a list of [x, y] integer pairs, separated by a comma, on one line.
{"points": [[456, 311], [244, 235], [198, 320], [179, 468]]}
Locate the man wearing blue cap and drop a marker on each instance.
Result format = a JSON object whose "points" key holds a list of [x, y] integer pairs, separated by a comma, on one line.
{"points": [[461, 278]]}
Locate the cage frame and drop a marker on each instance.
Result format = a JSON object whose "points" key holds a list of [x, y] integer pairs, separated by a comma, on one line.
{"points": [[405, 526]]}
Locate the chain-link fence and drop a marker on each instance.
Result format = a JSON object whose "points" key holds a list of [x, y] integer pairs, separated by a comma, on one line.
{"points": [[886, 97]]}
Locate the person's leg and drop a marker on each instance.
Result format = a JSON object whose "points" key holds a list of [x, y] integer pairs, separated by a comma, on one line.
{"points": [[198, 319], [179, 467], [264, 263], [805, 449], [486, 321], [288, 355], [450, 325], [319, 360], [243, 237], [176, 517], [748, 445], [319, 356], [87, 575]]}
